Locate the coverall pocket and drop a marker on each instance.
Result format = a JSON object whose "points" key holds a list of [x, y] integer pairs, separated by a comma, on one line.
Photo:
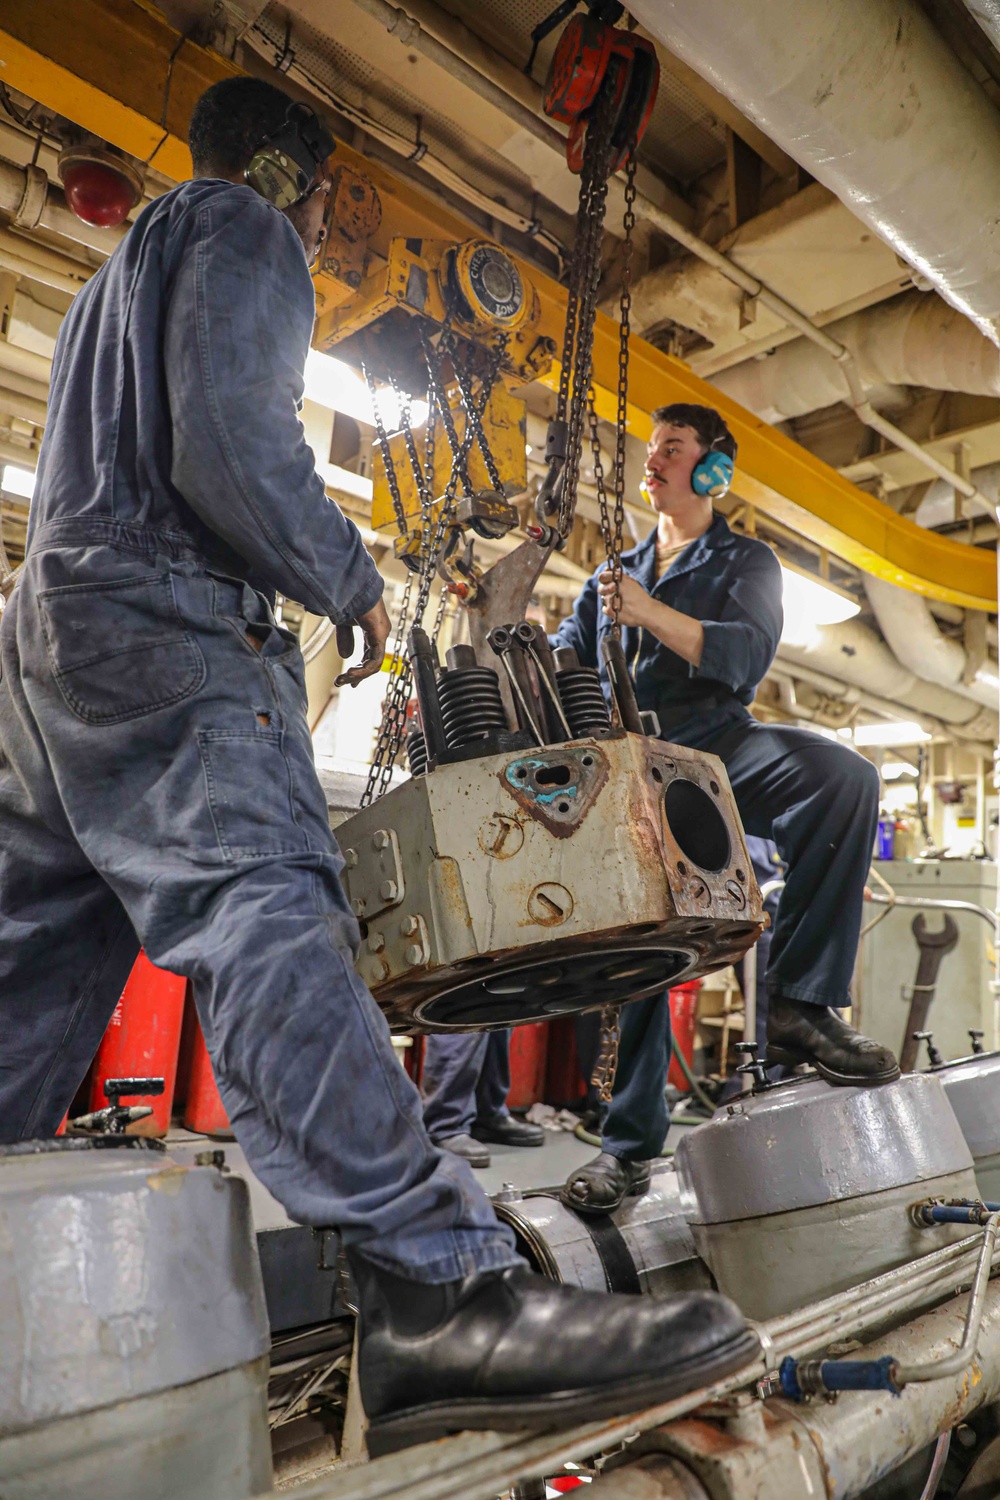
{"points": [[250, 794], [119, 651]]}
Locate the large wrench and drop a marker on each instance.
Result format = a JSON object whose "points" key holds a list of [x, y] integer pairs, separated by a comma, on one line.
{"points": [[933, 946]]}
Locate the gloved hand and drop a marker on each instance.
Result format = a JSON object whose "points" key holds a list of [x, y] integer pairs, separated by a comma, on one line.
{"points": [[375, 627]]}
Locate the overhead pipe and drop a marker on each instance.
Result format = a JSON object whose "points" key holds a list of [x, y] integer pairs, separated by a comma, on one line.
{"points": [[987, 14], [915, 339], [910, 630], [872, 101], [853, 653]]}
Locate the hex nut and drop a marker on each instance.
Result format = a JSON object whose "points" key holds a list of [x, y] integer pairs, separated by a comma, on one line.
{"points": [[376, 942], [387, 890], [414, 954], [408, 926], [350, 858], [380, 839]]}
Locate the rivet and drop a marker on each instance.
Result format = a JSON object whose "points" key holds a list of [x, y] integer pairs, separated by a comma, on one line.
{"points": [[414, 954], [387, 890], [380, 839], [376, 942], [408, 926]]}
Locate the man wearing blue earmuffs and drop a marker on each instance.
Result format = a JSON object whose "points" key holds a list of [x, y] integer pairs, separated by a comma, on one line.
{"points": [[701, 617]]}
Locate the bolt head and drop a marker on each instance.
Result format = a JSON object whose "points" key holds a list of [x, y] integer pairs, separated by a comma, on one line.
{"points": [[387, 890], [358, 907], [380, 839], [408, 926], [376, 942], [350, 858], [414, 954]]}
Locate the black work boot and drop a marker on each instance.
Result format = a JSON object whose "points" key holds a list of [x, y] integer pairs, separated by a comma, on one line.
{"points": [[506, 1131], [465, 1147], [604, 1183], [798, 1032], [509, 1350]]}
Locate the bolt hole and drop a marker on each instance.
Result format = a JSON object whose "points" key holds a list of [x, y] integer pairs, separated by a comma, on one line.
{"points": [[564, 807], [588, 760], [363, 927], [715, 787], [657, 774], [521, 773], [682, 868], [741, 875]]}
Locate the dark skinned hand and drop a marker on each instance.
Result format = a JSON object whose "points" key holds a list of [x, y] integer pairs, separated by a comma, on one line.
{"points": [[375, 627]]}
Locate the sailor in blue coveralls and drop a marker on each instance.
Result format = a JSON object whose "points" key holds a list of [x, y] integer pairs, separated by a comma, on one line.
{"points": [[701, 618], [157, 785], [465, 1084]]}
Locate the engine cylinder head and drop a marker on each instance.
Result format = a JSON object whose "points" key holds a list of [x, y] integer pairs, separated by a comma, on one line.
{"points": [[582, 700], [471, 705]]}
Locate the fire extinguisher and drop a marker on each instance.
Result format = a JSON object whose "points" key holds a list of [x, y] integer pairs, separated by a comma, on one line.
{"points": [[142, 1041]]}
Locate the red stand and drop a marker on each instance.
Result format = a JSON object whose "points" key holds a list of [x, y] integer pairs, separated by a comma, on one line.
{"points": [[529, 1047], [683, 1014]]}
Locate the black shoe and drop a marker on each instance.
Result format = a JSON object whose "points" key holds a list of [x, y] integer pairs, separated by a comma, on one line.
{"points": [[506, 1131], [604, 1183], [798, 1032], [465, 1147], [509, 1350]]}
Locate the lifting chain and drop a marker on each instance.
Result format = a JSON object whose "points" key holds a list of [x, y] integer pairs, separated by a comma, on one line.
{"points": [[432, 537], [606, 1066]]}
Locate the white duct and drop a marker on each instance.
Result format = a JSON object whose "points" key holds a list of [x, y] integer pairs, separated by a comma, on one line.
{"points": [[912, 633], [873, 103], [987, 13], [855, 654], [917, 339]]}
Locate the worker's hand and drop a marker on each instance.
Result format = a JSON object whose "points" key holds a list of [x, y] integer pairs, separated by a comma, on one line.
{"points": [[375, 627], [635, 601]]}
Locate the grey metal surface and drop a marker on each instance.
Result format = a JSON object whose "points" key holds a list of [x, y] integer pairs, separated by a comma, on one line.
{"points": [[653, 1230], [121, 1274], [208, 1438], [774, 1264], [804, 1143], [973, 1089]]}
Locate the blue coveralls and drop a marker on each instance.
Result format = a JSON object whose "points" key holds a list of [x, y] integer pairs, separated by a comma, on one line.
{"points": [[466, 1079], [156, 772], [817, 799]]}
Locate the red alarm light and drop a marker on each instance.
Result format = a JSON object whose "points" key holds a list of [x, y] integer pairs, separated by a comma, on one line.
{"points": [[100, 188]]}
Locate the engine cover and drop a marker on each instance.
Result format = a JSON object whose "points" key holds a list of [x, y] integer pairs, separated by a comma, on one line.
{"points": [[522, 886]]}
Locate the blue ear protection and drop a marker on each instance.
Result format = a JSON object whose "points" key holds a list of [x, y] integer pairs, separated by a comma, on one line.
{"points": [[713, 474]]}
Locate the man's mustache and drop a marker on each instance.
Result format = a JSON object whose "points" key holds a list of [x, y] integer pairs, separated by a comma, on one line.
{"points": [[654, 474]]}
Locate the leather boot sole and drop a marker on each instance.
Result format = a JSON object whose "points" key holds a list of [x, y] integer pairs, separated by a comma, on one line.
{"points": [[839, 1080], [636, 1189], [540, 1413]]}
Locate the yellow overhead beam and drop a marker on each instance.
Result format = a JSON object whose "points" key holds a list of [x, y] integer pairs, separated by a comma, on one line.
{"points": [[116, 68]]}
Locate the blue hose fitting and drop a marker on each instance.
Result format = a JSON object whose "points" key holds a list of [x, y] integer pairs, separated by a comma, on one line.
{"points": [[801, 1378]]}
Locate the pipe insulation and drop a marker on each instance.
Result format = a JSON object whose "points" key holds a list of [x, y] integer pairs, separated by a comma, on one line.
{"points": [[872, 102], [855, 654], [52, 213], [987, 14], [914, 638], [916, 339]]}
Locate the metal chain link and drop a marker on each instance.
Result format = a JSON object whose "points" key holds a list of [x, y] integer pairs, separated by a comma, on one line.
{"points": [[603, 1078], [383, 443]]}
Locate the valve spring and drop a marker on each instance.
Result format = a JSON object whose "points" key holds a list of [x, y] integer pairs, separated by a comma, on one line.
{"points": [[582, 700], [416, 752], [471, 705]]}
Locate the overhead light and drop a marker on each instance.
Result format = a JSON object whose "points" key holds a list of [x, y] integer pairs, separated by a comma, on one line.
{"points": [[891, 732], [335, 385], [101, 188], [809, 601], [18, 481], [895, 770]]}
